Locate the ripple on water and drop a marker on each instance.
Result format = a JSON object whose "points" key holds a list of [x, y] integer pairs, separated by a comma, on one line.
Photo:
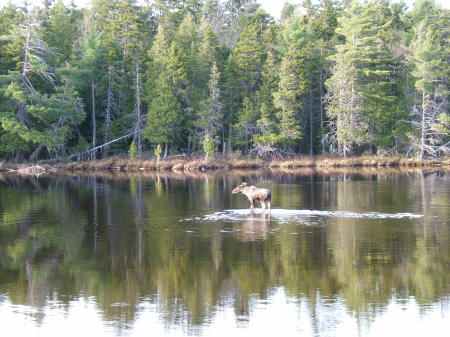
{"points": [[284, 215]]}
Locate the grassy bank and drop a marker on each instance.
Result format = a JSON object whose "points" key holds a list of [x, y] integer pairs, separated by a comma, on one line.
{"points": [[225, 163], [192, 164]]}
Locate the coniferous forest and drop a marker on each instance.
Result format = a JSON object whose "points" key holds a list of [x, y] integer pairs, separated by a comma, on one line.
{"points": [[193, 76]]}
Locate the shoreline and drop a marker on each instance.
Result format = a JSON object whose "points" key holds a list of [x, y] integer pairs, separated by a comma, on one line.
{"points": [[201, 164]]}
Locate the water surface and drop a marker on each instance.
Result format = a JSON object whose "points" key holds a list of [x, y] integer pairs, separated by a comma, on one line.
{"points": [[350, 254]]}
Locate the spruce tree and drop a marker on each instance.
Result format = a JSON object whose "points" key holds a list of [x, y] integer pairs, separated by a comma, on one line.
{"points": [[287, 98], [210, 119], [365, 63], [431, 72], [164, 121]]}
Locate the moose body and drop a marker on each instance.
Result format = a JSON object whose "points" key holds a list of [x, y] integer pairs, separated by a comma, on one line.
{"points": [[262, 195]]}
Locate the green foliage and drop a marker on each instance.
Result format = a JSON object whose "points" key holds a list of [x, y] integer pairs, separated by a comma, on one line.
{"points": [[367, 97], [158, 150], [209, 146], [288, 97], [332, 76], [133, 150], [431, 71], [164, 117]]}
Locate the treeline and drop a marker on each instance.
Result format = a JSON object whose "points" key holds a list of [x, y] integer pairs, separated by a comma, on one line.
{"points": [[329, 77]]}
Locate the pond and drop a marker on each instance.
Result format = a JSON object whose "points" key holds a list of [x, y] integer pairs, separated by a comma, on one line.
{"points": [[351, 253]]}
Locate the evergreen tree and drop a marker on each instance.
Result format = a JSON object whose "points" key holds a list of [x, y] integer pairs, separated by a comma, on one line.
{"points": [[60, 31], [210, 121], [36, 120], [287, 98], [347, 126], [249, 54], [372, 71], [164, 121], [245, 127], [87, 72], [431, 51], [338, 76]]}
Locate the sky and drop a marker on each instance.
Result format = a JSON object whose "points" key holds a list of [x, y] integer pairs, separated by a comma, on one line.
{"points": [[272, 6]]}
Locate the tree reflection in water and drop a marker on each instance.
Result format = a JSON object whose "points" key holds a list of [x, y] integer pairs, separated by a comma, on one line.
{"points": [[119, 240]]}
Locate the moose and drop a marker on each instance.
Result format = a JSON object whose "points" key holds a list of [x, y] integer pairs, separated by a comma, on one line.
{"points": [[263, 195]]}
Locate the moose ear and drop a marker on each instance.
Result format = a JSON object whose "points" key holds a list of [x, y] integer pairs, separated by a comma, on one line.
{"points": [[243, 184]]}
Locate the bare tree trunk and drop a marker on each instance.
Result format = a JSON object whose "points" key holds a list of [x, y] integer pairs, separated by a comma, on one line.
{"points": [[423, 127], [22, 114], [108, 111], [166, 150], [321, 107], [26, 57], [229, 147], [36, 153], [94, 121], [19, 156], [223, 138], [311, 134], [138, 127]]}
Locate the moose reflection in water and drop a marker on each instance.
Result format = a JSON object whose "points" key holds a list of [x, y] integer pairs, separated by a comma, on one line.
{"points": [[254, 226], [253, 194]]}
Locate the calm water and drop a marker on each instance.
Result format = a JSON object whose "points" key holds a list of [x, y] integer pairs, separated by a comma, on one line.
{"points": [[354, 254]]}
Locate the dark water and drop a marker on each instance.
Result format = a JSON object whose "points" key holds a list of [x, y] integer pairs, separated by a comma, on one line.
{"points": [[348, 254]]}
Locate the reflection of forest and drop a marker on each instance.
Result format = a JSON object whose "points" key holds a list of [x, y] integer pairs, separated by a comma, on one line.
{"points": [[121, 241]]}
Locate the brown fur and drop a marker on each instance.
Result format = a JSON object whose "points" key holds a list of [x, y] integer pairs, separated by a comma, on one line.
{"points": [[253, 194]]}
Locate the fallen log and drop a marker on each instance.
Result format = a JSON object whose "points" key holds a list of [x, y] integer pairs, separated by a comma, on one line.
{"points": [[30, 170]]}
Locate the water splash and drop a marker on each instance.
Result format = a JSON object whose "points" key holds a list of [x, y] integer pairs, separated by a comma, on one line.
{"points": [[284, 215]]}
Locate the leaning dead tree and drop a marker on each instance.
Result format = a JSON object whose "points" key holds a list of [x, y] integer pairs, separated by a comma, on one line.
{"points": [[89, 152]]}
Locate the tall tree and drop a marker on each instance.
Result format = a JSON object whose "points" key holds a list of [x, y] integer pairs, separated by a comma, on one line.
{"points": [[372, 71], [60, 31], [287, 99], [430, 53], [87, 72], [210, 119], [164, 121]]}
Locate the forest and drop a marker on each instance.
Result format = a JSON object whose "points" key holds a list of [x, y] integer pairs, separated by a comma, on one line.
{"points": [[329, 77]]}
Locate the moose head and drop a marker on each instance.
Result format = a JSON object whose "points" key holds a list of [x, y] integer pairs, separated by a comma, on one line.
{"points": [[239, 189]]}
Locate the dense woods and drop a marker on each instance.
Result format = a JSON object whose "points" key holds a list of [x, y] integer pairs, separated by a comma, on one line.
{"points": [[210, 76]]}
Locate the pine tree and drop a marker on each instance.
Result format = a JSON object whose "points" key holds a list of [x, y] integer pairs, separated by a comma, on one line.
{"points": [[249, 55], [164, 121], [87, 72], [166, 93], [245, 127], [348, 127], [431, 72], [287, 99], [365, 62], [210, 121], [60, 31], [266, 140], [20, 88]]}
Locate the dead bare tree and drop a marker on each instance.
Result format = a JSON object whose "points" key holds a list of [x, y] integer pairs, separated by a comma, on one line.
{"points": [[431, 138], [138, 122], [110, 109]]}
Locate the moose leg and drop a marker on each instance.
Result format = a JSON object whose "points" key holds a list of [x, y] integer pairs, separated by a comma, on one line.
{"points": [[263, 204], [268, 205], [252, 206]]}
